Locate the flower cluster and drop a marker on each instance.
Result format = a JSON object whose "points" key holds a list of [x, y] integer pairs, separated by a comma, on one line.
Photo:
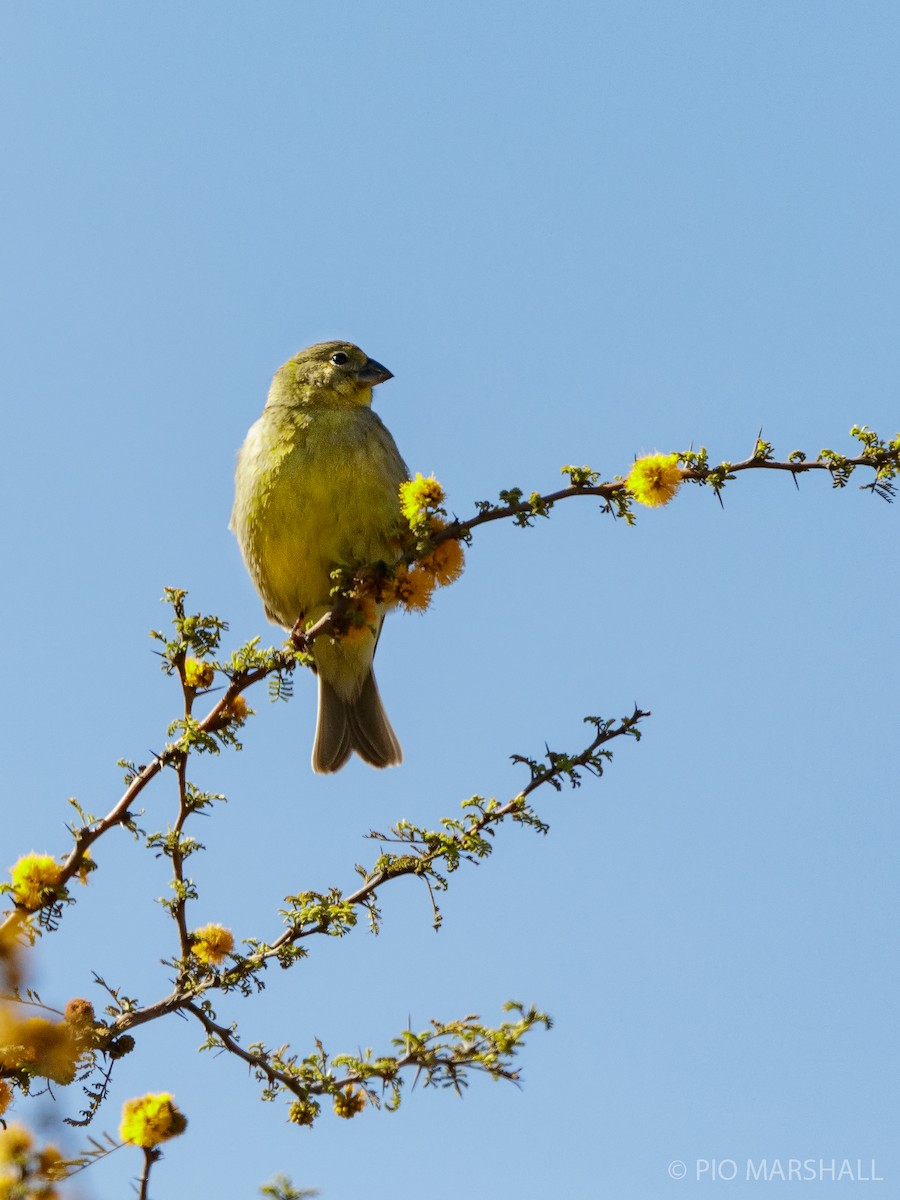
{"points": [[412, 586], [420, 496], [25, 1170], [198, 674], [408, 585], [235, 712], [151, 1119], [446, 562], [303, 1112], [211, 944], [39, 1047], [655, 479], [35, 880], [362, 618], [79, 1014], [349, 1102]]}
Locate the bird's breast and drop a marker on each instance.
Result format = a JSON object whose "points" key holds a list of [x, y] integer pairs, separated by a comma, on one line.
{"points": [[313, 493]]}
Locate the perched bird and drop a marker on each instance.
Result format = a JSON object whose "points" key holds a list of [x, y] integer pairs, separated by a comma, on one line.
{"points": [[316, 487]]}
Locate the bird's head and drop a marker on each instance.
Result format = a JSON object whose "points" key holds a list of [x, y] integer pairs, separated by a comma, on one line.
{"points": [[332, 371]]}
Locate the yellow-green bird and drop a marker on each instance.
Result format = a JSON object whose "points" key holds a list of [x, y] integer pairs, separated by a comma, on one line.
{"points": [[316, 487]]}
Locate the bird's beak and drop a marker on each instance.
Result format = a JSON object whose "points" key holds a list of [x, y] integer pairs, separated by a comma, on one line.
{"points": [[373, 372]]}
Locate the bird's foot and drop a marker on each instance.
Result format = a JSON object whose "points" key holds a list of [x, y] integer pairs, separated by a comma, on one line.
{"points": [[298, 637]]}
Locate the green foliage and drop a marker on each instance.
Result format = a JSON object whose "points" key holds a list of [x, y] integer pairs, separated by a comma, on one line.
{"points": [[569, 767], [580, 477], [281, 1188], [884, 456], [445, 1054], [878, 455]]}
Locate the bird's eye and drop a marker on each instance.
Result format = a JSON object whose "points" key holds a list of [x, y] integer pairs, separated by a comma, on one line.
{"points": [[340, 358]]}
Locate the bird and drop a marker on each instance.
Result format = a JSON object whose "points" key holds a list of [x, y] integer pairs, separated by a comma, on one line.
{"points": [[317, 488]]}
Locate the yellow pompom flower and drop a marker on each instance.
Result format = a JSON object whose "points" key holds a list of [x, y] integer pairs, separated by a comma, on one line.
{"points": [[654, 479], [50, 1163], [235, 710], [81, 1019], [303, 1112], [79, 1011], [419, 494], [39, 1047], [363, 620], [35, 878], [349, 1102], [151, 1119], [446, 562], [212, 943], [15, 1143], [5, 1096], [411, 588], [198, 674]]}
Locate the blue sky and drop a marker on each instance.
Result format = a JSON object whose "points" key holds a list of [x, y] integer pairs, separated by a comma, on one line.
{"points": [[575, 232]]}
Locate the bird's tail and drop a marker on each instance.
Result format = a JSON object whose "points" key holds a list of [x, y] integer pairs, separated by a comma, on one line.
{"points": [[347, 725]]}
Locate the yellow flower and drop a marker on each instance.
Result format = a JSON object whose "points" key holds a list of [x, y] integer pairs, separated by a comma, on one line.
{"points": [[349, 1102], [303, 1112], [50, 1163], [411, 588], [38, 1046], [363, 620], [419, 494], [15, 1142], [80, 1017], [655, 479], [446, 562], [79, 1011], [235, 710], [151, 1119], [211, 944], [5, 1096], [35, 879], [198, 674]]}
